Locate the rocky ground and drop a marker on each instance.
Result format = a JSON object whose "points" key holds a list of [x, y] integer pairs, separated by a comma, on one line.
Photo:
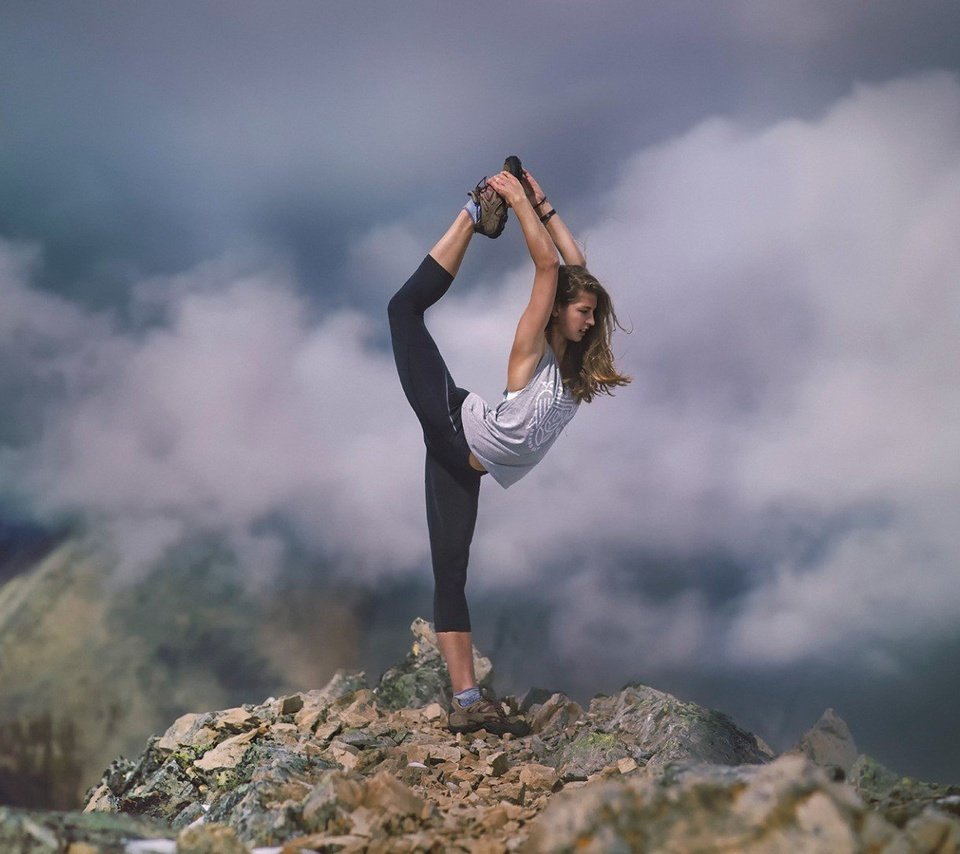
{"points": [[354, 768]]}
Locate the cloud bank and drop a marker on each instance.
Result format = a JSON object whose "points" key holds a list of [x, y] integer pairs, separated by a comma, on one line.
{"points": [[789, 431]]}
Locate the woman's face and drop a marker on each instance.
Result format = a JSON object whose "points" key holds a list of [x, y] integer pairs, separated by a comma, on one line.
{"points": [[575, 319]]}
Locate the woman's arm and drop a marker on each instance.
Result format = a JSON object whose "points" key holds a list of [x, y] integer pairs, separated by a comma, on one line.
{"points": [[556, 227], [529, 341]]}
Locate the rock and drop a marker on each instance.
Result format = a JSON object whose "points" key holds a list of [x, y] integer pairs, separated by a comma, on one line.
{"points": [[421, 679], [36, 832], [535, 776], [317, 702], [335, 795], [829, 743], [558, 712], [498, 763], [291, 705], [900, 799], [210, 839], [933, 830], [435, 712], [384, 792], [235, 720], [228, 754], [358, 709], [159, 792], [664, 729], [639, 770], [184, 731], [788, 805], [534, 697]]}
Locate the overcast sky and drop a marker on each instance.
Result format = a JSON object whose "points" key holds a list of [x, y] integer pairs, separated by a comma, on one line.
{"points": [[204, 208]]}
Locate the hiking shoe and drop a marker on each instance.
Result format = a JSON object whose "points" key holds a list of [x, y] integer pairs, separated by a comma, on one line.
{"points": [[512, 165], [486, 713], [493, 210]]}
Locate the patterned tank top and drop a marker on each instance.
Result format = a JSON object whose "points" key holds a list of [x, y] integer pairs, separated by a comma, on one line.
{"points": [[512, 438]]}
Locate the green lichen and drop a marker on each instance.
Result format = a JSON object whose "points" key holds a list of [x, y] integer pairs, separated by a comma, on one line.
{"points": [[603, 740], [187, 754]]}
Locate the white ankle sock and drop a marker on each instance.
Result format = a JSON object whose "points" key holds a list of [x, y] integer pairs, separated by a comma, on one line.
{"points": [[470, 695]]}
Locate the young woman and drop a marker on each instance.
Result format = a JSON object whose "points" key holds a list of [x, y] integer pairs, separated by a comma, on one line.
{"points": [[560, 357]]}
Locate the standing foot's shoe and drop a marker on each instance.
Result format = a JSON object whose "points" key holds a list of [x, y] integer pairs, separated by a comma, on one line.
{"points": [[492, 216], [486, 713]]}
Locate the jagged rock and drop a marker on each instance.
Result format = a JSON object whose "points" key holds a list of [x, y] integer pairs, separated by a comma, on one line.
{"points": [[335, 769], [789, 805], [36, 832], [315, 703], [557, 713], [829, 743], [900, 799], [534, 697], [660, 729], [227, 754], [422, 677]]}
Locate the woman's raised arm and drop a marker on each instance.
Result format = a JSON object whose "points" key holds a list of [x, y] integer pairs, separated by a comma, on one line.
{"points": [[556, 227], [529, 341]]}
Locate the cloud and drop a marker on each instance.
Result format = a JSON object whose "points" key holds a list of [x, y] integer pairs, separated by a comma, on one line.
{"points": [[238, 406], [793, 295], [792, 292]]}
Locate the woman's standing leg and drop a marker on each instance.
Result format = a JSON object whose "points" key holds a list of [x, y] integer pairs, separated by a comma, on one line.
{"points": [[452, 487]]}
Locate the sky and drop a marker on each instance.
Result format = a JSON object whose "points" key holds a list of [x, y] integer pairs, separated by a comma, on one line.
{"points": [[204, 208]]}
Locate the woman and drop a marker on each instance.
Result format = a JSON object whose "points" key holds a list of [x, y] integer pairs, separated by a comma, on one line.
{"points": [[560, 356]]}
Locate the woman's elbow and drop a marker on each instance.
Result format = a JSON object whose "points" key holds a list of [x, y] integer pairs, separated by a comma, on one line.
{"points": [[547, 263]]}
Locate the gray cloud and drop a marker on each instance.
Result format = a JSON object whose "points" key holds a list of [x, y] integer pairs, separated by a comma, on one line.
{"points": [[793, 363], [142, 140]]}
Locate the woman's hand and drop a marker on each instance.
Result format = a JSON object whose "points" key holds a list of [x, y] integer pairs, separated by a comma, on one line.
{"points": [[509, 188], [535, 193]]}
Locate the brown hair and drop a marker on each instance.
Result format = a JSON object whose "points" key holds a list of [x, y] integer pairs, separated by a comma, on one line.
{"points": [[587, 366]]}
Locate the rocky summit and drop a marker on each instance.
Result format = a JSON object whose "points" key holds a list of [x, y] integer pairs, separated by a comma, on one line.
{"points": [[352, 767]]}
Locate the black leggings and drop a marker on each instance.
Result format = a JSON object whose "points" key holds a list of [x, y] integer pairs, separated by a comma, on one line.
{"points": [[452, 485]]}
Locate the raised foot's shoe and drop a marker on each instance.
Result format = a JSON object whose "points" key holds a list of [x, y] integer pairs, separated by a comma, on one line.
{"points": [[512, 165], [492, 210], [486, 713]]}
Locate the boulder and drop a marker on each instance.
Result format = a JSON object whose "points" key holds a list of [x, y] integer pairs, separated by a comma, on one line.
{"points": [[660, 729]]}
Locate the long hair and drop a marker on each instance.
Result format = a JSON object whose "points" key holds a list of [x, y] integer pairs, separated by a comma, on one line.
{"points": [[587, 366]]}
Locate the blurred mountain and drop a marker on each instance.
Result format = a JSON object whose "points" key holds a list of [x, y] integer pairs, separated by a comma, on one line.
{"points": [[91, 665]]}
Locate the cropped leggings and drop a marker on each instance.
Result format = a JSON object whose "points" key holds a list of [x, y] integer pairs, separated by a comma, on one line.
{"points": [[452, 485]]}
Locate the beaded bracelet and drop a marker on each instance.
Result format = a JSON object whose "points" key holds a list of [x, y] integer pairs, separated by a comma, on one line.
{"points": [[546, 217]]}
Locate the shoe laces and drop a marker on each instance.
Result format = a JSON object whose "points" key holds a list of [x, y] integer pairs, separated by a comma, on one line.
{"points": [[495, 704]]}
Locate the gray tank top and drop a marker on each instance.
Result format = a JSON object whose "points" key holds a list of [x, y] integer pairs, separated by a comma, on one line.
{"points": [[511, 439]]}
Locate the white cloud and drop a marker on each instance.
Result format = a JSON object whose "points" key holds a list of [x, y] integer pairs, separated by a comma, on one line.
{"points": [[793, 294]]}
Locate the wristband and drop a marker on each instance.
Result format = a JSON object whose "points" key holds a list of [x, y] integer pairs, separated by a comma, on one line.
{"points": [[538, 204], [546, 217]]}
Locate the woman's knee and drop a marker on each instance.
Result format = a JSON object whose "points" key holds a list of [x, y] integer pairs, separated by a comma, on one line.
{"points": [[400, 305]]}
